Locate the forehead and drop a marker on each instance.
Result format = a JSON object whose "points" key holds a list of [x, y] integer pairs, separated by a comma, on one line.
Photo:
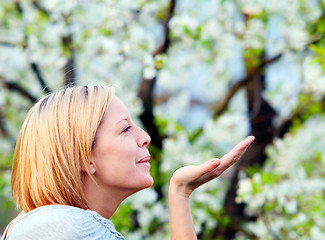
{"points": [[116, 111]]}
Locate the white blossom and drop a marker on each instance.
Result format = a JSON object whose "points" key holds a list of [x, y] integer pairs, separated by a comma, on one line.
{"points": [[113, 43], [313, 77]]}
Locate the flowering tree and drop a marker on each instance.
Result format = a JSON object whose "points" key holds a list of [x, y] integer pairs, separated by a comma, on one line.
{"points": [[198, 76]]}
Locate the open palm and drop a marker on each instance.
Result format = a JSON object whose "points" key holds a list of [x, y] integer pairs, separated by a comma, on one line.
{"points": [[190, 177]]}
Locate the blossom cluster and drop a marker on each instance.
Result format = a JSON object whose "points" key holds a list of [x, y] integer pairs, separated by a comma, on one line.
{"points": [[113, 41], [287, 195]]}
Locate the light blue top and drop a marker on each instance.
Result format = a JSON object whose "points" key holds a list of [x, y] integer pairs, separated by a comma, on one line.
{"points": [[62, 222]]}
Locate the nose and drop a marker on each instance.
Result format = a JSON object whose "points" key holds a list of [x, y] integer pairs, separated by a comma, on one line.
{"points": [[144, 138]]}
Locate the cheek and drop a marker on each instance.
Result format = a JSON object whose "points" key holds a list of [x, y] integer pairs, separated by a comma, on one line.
{"points": [[125, 148], [118, 157]]}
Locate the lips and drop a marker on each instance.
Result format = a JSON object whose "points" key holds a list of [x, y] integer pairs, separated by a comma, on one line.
{"points": [[144, 160]]}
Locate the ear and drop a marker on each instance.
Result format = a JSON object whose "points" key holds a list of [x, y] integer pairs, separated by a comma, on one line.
{"points": [[92, 166]]}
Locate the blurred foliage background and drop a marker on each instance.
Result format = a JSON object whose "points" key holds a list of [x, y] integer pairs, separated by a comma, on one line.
{"points": [[199, 76]]}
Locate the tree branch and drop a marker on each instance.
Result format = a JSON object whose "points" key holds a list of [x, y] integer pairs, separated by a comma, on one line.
{"points": [[69, 68], [220, 107], [13, 86], [7, 44], [298, 114], [5, 168], [147, 85], [262, 128], [146, 95], [38, 6], [164, 46], [3, 128], [40, 78]]}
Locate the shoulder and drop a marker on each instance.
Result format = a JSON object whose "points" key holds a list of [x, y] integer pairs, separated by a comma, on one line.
{"points": [[62, 222]]}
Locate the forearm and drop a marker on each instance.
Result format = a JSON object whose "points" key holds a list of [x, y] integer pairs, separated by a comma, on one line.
{"points": [[181, 222]]}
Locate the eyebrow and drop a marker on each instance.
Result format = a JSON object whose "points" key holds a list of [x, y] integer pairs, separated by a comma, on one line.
{"points": [[124, 119]]}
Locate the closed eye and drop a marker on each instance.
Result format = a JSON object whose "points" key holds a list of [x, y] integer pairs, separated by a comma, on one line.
{"points": [[127, 129]]}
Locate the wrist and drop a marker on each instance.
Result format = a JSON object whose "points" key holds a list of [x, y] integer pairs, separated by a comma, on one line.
{"points": [[178, 190], [180, 212]]}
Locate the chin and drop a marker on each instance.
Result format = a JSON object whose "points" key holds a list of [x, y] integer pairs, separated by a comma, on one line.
{"points": [[148, 182]]}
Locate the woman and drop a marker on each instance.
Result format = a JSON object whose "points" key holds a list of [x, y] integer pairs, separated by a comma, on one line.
{"points": [[78, 156]]}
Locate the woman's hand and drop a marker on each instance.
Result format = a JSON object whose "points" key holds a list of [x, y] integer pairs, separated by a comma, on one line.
{"points": [[186, 179]]}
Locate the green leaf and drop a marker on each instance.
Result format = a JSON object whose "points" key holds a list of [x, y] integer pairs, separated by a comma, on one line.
{"points": [[317, 49]]}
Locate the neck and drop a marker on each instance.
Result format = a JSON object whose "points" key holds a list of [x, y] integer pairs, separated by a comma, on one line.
{"points": [[104, 201]]}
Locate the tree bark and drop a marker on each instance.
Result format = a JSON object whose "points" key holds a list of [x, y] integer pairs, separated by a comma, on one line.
{"points": [[261, 121]]}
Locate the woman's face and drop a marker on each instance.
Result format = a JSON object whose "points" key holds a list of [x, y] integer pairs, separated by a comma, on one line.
{"points": [[119, 159]]}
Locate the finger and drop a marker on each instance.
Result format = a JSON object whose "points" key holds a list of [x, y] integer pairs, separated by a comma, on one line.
{"points": [[196, 173], [208, 166], [234, 155], [205, 172]]}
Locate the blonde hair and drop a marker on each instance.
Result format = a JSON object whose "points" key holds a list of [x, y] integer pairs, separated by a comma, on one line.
{"points": [[54, 145]]}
